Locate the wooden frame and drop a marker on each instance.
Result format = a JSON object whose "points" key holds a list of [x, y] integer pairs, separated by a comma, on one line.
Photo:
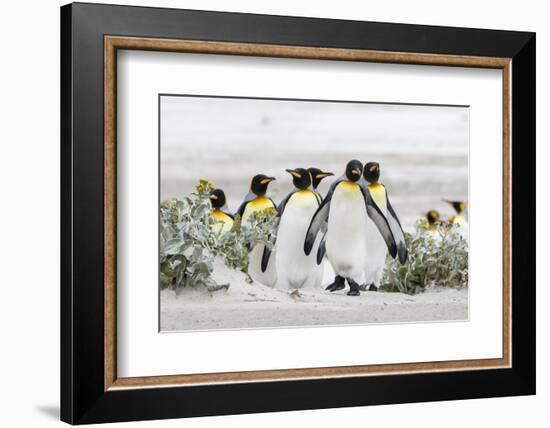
{"points": [[112, 43], [513, 53]]}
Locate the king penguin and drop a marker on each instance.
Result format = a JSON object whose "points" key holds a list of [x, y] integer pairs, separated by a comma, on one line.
{"points": [[376, 246], [317, 175], [294, 268], [223, 220], [433, 220], [350, 206], [459, 218], [256, 200]]}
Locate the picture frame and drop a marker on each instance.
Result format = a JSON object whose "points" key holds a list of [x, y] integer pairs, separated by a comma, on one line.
{"points": [[91, 391]]}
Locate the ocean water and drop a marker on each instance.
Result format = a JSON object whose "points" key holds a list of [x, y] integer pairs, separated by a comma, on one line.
{"points": [[422, 150]]}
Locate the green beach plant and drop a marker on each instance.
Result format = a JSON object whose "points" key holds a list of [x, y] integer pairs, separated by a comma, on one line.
{"points": [[435, 259], [189, 244]]}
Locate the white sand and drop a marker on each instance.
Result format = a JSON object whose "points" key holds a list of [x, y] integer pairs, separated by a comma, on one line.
{"points": [[247, 305]]}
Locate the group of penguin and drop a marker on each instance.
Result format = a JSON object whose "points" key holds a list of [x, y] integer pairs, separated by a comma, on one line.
{"points": [[459, 219], [354, 226]]}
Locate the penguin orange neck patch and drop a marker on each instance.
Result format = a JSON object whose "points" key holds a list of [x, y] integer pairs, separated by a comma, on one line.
{"points": [[261, 203], [219, 215], [378, 193], [349, 184], [305, 197]]}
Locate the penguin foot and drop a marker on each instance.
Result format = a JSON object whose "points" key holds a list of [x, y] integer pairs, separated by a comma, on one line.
{"points": [[373, 287], [338, 284], [353, 288], [335, 286], [296, 294]]}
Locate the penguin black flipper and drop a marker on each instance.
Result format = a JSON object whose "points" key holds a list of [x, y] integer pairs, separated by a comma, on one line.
{"points": [[241, 209], [380, 221], [321, 251], [249, 197], [273, 235], [267, 251], [397, 231], [316, 223], [319, 218]]}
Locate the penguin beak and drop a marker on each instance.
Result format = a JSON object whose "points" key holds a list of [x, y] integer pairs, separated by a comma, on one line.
{"points": [[374, 168], [355, 171], [214, 197], [268, 180], [323, 175], [294, 173]]}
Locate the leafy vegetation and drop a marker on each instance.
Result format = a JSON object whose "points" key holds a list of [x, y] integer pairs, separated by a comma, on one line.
{"points": [[189, 244], [438, 257]]}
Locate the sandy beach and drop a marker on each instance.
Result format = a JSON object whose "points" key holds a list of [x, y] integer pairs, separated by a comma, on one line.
{"points": [[246, 305]]}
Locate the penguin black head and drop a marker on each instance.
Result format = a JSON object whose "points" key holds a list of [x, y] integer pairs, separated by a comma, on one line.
{"points": [[317, 175], [217, 198], [300, 177], [354, 168], [432, 216], [259, 184], [458, 206], [372, 172]]}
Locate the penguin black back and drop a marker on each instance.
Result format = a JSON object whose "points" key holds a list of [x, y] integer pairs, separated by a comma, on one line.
{"points": [[217, 198], [259, 184], [317, 175], [300, 178], [458, 206], [354, 168], [379, 195]]}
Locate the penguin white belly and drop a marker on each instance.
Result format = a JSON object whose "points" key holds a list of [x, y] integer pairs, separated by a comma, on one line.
{"points": [[376, 246], [294, 268], [435, 235], [223, 223], [269, 277], [259, 204], [222, 227], [463, 227], [347, 229], [376, 255]]}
